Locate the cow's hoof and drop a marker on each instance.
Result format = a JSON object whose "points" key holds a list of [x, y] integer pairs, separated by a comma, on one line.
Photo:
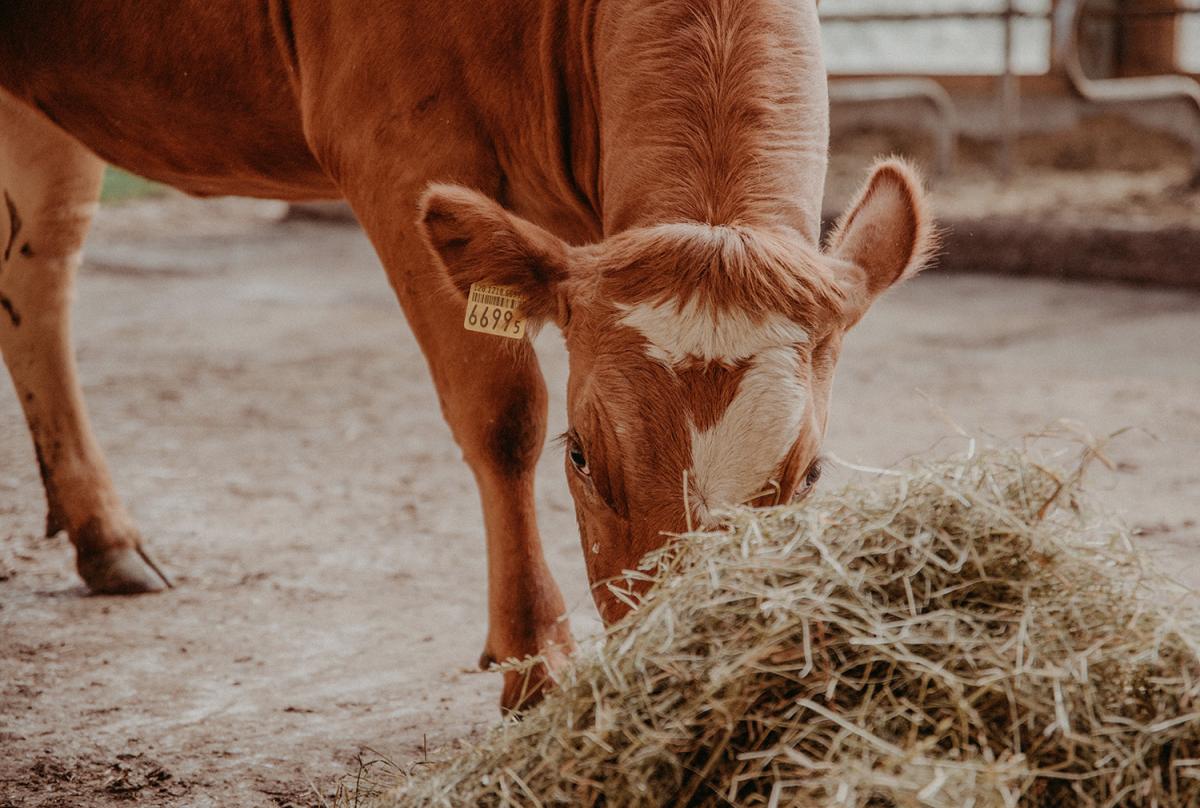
{"points": [[120, 571], [525, 688]]}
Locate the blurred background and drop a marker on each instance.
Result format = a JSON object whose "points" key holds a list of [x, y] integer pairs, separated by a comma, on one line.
{"points": [[1074, 122]]}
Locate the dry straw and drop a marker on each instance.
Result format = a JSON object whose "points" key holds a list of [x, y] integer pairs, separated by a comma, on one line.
{"points": [[962, 634]]}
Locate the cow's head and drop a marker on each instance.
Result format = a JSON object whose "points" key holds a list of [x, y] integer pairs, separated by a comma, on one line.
{"points": [[701, 356]]}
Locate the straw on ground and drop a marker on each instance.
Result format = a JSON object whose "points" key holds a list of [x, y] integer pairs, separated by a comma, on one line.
{"points": [[962, 634]]}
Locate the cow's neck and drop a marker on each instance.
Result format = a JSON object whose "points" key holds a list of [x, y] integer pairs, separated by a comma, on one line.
{"points": [[713, 111]]}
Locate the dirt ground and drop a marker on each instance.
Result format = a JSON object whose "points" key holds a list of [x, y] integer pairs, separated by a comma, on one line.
{"points": [[272, 426]]}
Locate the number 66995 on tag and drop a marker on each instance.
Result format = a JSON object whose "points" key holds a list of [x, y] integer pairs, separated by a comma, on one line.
{"points": [[494, 310]]}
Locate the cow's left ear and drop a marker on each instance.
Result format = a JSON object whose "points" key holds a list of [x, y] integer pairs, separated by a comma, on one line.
{"points": [[887, 235], [477, 241]]}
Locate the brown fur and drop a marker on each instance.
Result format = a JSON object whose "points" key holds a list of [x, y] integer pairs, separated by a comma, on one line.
{"points": [[593, 154], [725, 267]]}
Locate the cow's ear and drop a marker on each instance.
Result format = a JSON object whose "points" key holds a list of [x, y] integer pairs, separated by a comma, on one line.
{"points": [[885, 236], [477, 241]]}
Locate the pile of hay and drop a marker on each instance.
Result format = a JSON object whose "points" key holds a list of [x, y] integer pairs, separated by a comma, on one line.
{"points": [[959, 635]]}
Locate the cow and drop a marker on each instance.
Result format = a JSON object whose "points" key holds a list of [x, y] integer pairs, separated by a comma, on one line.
{"points": [[646, 175]]}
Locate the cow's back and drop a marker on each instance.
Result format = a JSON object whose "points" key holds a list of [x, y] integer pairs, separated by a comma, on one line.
{"points": [[195, 93]]}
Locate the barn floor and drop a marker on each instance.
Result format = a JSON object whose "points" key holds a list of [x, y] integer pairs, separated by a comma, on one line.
{"points": [[271, 425]]}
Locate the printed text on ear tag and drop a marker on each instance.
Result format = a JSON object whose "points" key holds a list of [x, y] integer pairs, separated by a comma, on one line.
{"points": [[494, 310]]}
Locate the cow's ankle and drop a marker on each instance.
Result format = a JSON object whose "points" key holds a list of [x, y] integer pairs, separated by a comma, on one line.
{"points": [[553, 641], [548, 640]]}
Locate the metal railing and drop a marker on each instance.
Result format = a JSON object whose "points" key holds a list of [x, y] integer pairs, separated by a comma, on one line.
{"points": [[945, 122], [1066, 18]]}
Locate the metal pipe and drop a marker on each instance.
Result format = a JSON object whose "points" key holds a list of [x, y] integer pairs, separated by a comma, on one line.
{"points": [[1010, 99], [871, 91], [992, 16], [1067, 15], [926, 16]]}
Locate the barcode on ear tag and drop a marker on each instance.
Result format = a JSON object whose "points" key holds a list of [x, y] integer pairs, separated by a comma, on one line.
{"points": [[494, 310]]}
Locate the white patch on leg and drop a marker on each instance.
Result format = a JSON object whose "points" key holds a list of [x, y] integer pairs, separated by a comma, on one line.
{"points": [[677, 332], [734, 459]]}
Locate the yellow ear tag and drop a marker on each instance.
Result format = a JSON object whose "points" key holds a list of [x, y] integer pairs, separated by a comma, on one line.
{"points": [[494, 310]]}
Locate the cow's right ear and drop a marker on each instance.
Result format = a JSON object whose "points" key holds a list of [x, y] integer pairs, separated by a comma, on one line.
{"points": [[477, 241], [886, 236]]}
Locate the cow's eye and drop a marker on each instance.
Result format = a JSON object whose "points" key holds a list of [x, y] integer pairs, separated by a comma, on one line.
{"points": [[814, 474], [577, 457]]}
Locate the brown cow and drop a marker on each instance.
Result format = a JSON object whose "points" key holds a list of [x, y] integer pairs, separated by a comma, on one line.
{"points": [[647, 174]]}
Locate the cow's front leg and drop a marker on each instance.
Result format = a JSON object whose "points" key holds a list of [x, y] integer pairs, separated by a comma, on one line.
{"points": [[494, 399], [48, 188]]}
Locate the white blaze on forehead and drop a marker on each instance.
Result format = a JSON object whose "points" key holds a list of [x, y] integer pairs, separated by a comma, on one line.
{"points": [[677, 332], [735, 458]]}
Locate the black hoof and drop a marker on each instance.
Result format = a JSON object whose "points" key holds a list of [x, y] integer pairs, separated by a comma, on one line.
{"points": [[120, 571]]}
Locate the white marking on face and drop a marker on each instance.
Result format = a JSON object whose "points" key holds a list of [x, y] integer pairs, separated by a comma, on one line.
{"points": [[677, 332], [734, 458]]}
